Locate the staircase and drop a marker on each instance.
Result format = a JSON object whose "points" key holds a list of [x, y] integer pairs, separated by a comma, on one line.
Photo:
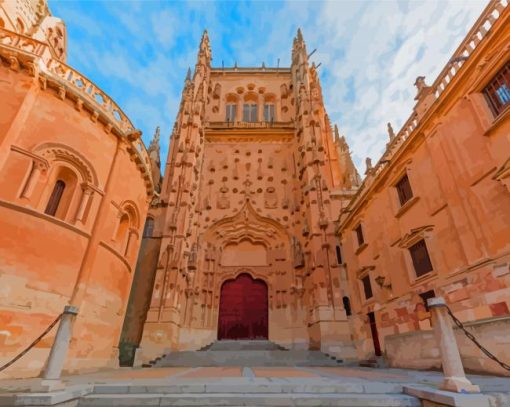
{"points": [[250, 392], [254, 353], [249, 389]]}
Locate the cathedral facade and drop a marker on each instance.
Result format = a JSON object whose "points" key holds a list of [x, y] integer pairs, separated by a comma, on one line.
{"points": [[244, 226], [261, 226]]}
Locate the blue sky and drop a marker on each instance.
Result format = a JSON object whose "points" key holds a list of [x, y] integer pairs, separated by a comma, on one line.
{"points": [[371, 53]]}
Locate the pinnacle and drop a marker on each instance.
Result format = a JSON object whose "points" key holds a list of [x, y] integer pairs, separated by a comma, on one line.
{"points": [[188, 74], [204, 41], [337, 136], [299, 35]]}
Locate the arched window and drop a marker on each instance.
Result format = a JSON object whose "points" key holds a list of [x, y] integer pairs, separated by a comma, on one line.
{"points": [[149, 227], [347, 305], [56, 196], [250, 112], [122, 229], [269, 112], [250, 108], [62, 197], [231, 109]]}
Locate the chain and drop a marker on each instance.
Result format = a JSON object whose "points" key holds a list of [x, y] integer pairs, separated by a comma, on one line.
{"points": [[473, 339], [22, 353]]}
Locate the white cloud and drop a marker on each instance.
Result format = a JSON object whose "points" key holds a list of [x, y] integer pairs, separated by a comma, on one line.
{"points": [[371, 53]]}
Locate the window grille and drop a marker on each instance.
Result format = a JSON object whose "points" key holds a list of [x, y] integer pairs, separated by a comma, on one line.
{"points": [[497, 91], [268, 113], [249, 113], [420, 257], [231, 113], [404, 190]]}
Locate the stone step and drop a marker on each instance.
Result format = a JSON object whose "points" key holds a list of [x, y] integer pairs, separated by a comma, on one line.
{"points": [[230, 345], [246, 358], [251, 386], [250, 399]]}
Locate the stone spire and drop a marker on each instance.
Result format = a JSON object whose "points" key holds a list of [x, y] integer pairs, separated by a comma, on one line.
{"points": [[299, 66], [348, 171], [202, 72], [204, 50], [154, 152]]}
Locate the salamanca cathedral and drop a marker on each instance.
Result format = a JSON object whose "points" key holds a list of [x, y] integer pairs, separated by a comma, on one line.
{"points": [[258, 227]]}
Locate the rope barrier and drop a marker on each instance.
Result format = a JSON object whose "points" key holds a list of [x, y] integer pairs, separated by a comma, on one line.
{"points": [[473, 339], [35, 342]]}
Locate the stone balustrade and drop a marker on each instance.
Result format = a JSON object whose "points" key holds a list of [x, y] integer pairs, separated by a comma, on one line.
{"points": [[10, 39], [249, 125], [480, 30], [39, 53]]}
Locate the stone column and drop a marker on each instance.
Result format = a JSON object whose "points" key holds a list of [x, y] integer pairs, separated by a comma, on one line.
{"points": [[260, 108], [454, 377], [51, 375], [239, 111], [38, 167], [87, 193]]}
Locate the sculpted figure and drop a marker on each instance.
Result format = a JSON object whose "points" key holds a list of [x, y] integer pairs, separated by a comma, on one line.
{"points": [[391, 133], [270, 198], [297, 253]]}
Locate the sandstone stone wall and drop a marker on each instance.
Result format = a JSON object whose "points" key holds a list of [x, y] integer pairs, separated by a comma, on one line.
{"points": [[455, 154], [425, 353], [81, 255]]}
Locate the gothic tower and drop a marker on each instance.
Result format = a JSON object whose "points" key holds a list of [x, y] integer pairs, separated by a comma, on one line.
{"points": [[244, 223]]}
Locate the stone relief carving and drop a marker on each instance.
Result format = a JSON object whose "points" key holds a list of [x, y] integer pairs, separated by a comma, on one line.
{"points": [[270, 198], [223, 202], [297, 253]]}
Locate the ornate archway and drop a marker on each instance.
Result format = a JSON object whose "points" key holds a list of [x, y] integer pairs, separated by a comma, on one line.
{"points": [[243, 312]]}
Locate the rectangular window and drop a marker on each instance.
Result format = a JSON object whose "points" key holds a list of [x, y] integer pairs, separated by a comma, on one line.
{"points": [[268, 113], [367, 287], [231, 113], [249, 113], [359, 234], [497, 91], [421, 259], [338, 254], [404, 190]]}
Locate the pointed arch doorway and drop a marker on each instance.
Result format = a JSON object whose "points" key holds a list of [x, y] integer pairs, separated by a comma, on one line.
{"points": [[243, 309]]}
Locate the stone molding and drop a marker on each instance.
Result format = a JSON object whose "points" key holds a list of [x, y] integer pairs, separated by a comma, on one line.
{"points": [[117, 254], [41, 215]]}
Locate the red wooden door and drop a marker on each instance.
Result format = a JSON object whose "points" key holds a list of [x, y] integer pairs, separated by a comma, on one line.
{"points": [[375, 335], [243, 309]]}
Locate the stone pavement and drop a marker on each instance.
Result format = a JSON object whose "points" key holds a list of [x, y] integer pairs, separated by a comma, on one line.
{"points": [[338, 386]]}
